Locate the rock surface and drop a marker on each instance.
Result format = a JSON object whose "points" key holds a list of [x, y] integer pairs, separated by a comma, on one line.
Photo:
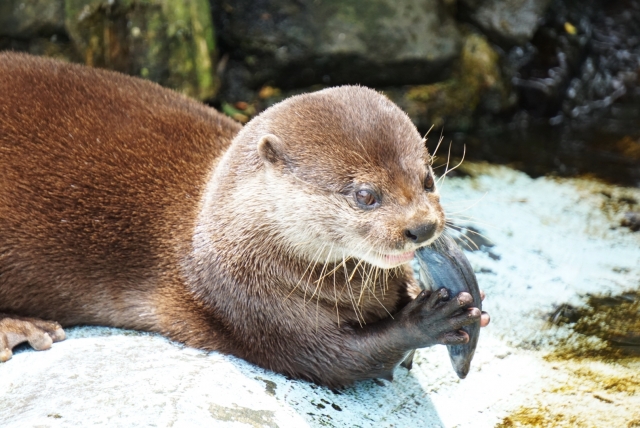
{"points": [[512, 22], [31, 18], [553, 241], [296, 44]]}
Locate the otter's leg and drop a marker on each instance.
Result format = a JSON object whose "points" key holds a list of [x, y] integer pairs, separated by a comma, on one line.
{"points": [[430, 319], [15, 330], [353, 353]]}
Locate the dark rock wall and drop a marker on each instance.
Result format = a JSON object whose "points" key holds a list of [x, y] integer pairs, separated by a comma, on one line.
{"points": [[577, 82], [509, 22], [377, 43]]}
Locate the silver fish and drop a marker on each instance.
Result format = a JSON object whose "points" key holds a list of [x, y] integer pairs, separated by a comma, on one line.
{"points": [[444, 265]]}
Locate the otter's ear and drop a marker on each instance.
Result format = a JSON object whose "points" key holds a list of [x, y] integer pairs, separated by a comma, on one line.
{"points": [[271, 149]]}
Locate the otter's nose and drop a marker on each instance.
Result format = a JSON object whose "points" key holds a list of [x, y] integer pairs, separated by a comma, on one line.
{"points": [[420, 233]]}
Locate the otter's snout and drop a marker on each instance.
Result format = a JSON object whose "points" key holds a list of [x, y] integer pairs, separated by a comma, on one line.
{"points": [[421, 233]]}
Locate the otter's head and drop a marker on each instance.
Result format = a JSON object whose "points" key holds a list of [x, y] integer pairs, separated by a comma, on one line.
{"points": [[346, 174]]}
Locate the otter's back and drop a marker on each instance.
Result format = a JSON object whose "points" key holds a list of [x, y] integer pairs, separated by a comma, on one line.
{"points": [[100, 177]]}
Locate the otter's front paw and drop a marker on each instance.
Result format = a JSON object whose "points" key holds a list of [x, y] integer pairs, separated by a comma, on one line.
{"points": [[432, 318], [15, 330]]}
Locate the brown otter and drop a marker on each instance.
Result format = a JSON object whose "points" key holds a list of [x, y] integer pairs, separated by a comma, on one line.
{"points": [[284, 243]]}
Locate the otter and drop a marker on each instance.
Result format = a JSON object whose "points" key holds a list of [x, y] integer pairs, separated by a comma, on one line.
{"points": [[284, 242]]}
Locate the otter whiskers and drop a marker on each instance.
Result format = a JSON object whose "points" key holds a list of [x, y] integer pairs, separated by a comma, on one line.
{"points": [[447, 170], [312, 282], [304, 274]]}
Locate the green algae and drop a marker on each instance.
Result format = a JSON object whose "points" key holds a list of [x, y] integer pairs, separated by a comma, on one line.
{"points": [[476, 75], [170, 42]]}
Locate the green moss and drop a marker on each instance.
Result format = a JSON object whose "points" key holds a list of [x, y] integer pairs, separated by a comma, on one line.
{"points": [[168, 41], [476, 73], [190, 38], [234, 113]]}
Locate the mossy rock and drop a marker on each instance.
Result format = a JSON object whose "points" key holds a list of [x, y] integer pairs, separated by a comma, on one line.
{"points": [[168, 41], [477, 81]]}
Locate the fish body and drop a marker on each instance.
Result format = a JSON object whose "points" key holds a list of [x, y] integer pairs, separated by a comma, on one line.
{"points": [[444, 265]]}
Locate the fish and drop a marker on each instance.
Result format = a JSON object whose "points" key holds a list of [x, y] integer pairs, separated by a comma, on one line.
{"points": [[444, 265]]}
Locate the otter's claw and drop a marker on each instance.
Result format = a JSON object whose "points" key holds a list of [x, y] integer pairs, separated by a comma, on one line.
{"points": [[15, 330]]}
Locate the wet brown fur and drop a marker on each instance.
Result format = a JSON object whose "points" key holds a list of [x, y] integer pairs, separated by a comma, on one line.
{"points": [[125, 204]]}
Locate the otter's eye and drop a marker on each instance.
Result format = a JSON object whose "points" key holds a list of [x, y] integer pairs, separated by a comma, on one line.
{"points": [[366, 198], [429, 184]]}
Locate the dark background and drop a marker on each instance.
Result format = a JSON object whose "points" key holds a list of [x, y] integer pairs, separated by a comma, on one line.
{"points": [[547, 86]]}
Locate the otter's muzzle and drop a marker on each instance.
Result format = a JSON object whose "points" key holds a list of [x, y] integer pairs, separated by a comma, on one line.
{"points": [[443, 264]]}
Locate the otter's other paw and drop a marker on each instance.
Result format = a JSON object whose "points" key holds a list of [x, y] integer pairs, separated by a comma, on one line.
{"points": [[432, 318], [15, 330]]}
